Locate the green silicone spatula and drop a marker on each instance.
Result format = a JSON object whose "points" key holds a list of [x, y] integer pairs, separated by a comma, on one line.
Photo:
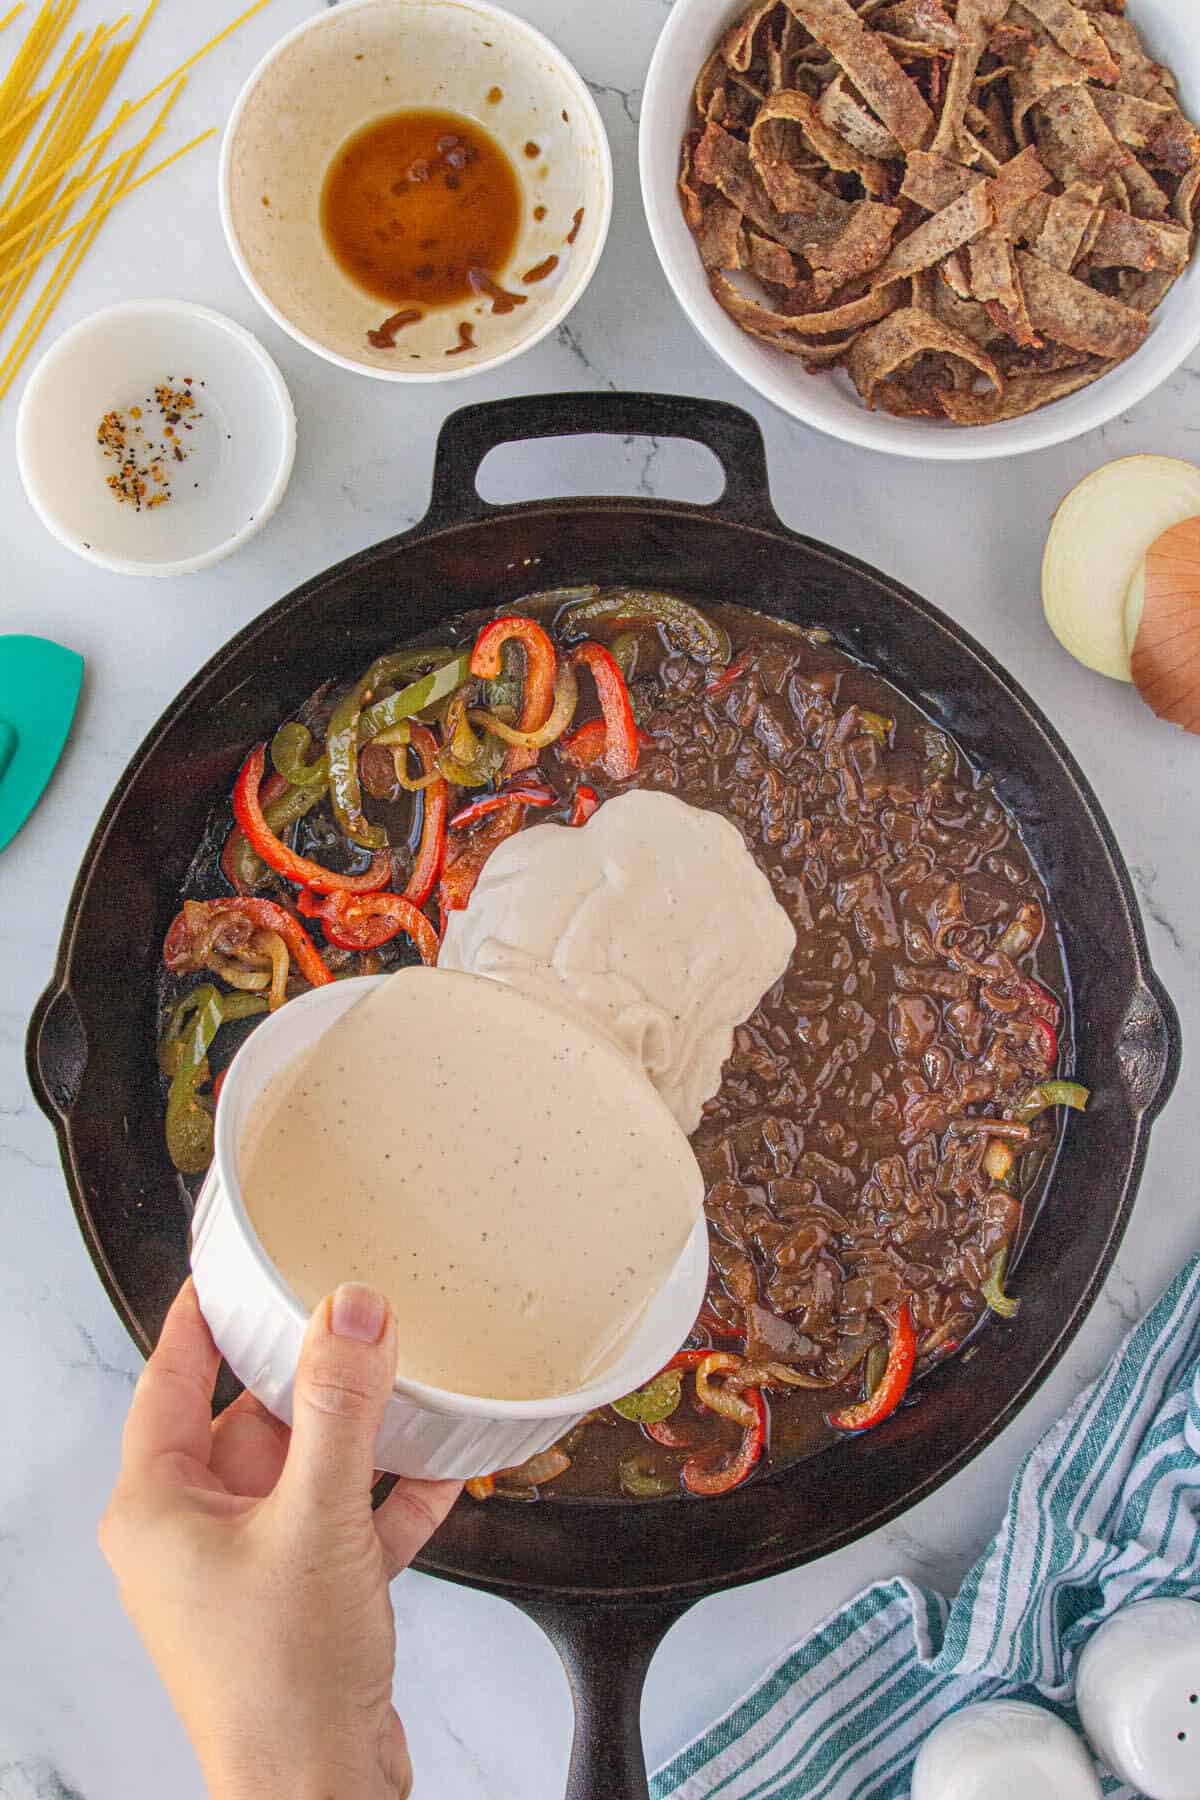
{"points": [[39, 689]]}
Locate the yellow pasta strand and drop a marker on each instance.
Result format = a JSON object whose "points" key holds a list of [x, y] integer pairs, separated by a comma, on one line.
{"points": [[65, 70], [104, 137], [198, 55], [114, 190], [104, 206], [68, 200], [59, 131], [166, 81], [14, 289], [51, 152], [28, 64]]}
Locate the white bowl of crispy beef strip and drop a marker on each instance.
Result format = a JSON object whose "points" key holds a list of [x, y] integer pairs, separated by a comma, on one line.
{"points": [[828, 399]]}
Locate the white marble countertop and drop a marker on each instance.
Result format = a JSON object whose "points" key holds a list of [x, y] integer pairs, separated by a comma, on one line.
{"points": [[482, 1693]]}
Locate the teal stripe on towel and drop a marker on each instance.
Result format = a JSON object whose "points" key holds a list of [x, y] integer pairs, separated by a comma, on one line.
{"points": [[1104, 1510]]}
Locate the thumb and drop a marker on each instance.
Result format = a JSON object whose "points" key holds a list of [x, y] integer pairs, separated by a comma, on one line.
{"points": [[347, 1366]]}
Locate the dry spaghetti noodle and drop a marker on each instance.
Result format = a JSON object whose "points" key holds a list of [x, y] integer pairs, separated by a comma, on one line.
{"points": [[52, 151]]}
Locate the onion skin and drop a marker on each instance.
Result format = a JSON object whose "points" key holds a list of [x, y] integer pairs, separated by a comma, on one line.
{"points": [[1166, 651]]}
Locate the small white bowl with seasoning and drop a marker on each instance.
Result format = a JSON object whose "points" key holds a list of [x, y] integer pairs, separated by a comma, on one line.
{"points": [[155, 438], [416, 189], [512, 1182]]}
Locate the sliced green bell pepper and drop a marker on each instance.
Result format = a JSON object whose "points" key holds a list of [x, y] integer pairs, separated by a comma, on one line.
{"points": [[657, 1400]]}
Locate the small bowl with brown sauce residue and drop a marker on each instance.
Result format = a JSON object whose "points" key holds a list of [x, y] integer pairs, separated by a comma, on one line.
{"points": [[416, 189]]}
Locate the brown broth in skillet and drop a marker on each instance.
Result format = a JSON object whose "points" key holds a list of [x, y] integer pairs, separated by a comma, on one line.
{"points": [[844, 1153]]}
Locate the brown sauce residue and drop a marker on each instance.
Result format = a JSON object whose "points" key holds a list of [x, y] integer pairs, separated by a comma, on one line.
{"points": [[384, 336], [539, 213], [466, 338], [532, 149], [416, 200], [502, 301], [575, 224], [494, 96], [540, 270]]}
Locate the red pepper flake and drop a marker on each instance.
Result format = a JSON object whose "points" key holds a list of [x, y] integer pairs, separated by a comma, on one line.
{"points": [[532, 149], [140, 479]]}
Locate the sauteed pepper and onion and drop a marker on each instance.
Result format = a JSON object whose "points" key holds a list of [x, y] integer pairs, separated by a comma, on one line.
{"points": [[885, 1117]]}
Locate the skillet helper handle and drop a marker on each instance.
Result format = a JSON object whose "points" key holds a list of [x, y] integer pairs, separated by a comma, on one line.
{"points": [[733, 437], [606, 1648], [1149, 1047], [56, 1052]]}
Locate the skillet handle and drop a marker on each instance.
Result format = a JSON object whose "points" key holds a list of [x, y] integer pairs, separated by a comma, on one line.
{"points": [[606, 1649], [56, 1052], [731, 434], [1149, 1047]]}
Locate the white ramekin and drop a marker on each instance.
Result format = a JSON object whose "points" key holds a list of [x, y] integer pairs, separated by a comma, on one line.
{"points": [[828, 401], [258, 1323], [360, 60], [241, 451]]}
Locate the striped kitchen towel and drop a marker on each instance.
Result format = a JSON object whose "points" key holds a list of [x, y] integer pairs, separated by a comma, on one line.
{"points": [[1104, 1510]]}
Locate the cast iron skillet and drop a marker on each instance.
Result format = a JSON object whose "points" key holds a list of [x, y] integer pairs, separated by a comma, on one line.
{"points": [[606, 1580]]}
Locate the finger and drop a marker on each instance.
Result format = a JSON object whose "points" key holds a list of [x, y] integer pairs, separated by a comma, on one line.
{"points": [[409, 1517], [249, 1448], [394, 1758], [347, 1366], [171, 1413]]}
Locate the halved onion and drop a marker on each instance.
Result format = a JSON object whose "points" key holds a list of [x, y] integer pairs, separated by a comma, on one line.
{"points": [[1166, 647], [1097, 541]]}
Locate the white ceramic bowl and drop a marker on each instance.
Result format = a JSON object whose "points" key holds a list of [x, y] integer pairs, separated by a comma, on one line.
{"points": [[240, 453], [258, 1323], [829, 401], [360, 61]]}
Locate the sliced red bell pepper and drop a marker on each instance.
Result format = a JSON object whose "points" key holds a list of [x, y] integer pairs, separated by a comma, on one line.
{"points": [[583, 805], [585, 747], [1046, 1039], [268, 917], [700, 1477], [621, 748], [308, 904], [466, 856], [218, 1084], [708, 1319], [1048, 1014], [668, 1433], [235, 843], [431, 852], [491, 803], [364, 921], [728, 676], [541, 664], [247, 810], [1043, 1002], [893, 1384]]}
